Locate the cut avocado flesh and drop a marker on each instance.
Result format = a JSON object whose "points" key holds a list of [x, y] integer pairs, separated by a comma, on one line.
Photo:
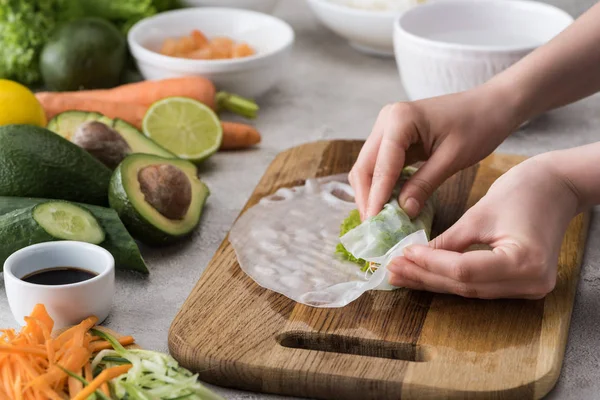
{"points": [[67, 123], [138, 142], [140, 217]]}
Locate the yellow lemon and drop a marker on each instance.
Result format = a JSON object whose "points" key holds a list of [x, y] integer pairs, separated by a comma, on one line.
{"points": [[18, 105]]}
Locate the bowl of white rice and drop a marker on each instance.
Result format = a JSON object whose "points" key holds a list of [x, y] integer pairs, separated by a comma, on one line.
{"points": [[367, 24]]}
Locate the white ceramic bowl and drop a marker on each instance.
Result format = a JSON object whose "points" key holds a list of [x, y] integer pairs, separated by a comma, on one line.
{"points": [[251, 76], [66, 304], [368, 31], [454, 45], [265, 6]]}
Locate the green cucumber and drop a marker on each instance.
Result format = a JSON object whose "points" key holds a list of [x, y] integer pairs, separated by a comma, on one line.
{"points": [[117, 240], [67, 221], [45, 222]]}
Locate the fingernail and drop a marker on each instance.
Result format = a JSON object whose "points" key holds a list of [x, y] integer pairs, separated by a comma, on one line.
{"points": [[408, 251], [411, 206]]}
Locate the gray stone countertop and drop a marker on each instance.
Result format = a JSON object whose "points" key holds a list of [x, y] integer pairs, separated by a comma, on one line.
{"points": [[331, 92]]}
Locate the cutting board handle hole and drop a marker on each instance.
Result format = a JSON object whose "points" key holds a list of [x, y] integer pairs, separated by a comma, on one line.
{"points": [[352, 345]]}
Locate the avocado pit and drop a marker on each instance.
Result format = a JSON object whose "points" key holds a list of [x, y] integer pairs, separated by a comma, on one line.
{"points": [[102, 142], [167, 189]]}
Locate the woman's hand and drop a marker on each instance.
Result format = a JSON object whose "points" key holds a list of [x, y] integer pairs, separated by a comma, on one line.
{"points": [[453, 132], [523, 218], [450, 132]]}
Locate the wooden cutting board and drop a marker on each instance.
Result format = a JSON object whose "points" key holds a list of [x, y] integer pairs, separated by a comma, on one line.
{"points": [[385, 345]]}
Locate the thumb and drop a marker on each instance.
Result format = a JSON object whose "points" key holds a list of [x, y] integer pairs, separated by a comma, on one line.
{"points": [[425, 181], [459, 236]]}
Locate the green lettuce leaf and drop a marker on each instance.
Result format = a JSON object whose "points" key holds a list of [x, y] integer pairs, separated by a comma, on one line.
{"points": [[25, 26], [351, 222]]}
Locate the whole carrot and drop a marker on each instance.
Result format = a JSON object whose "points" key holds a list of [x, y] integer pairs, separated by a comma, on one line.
{"points": [[147, 92], [56, 103], [238, 136]]}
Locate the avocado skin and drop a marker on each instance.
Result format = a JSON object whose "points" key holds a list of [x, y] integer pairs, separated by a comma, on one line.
{"points": [[138, 225], [87, 53], [35, 162]]}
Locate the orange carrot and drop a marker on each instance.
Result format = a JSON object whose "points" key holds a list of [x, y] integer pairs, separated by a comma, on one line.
{"points": [[242, 50], [56, 103], [33, 365], [169, 47], [143, 93], [238, 136], [103, 377], [104, 388], [22, 350], [199, 38], [103, 345], [74, 386], [87, 372]]}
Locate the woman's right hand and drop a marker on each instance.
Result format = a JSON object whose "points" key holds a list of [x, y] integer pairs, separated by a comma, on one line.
{"points": [[449, 133]]}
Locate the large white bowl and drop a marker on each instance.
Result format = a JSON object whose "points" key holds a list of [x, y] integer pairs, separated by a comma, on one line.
{"points": [[454, 45], [265, 6], [250, 76], [370, 32]]}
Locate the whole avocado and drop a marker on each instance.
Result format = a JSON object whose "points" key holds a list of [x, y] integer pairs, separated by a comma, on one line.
{"points": [[35, 162], [87, 53]]}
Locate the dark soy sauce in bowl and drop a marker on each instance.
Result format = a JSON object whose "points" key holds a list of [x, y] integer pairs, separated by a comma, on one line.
{"points": [[59, 276]]}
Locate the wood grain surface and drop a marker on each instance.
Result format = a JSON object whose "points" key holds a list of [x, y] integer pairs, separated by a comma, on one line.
{"points": [[385, 345]]}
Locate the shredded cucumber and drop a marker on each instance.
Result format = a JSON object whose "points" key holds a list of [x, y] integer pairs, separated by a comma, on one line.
{"points": [[153, 376]]}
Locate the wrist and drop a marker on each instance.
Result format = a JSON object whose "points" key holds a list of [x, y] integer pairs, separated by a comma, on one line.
{"points": [[568, 193], [511, 98], [578, 168]]}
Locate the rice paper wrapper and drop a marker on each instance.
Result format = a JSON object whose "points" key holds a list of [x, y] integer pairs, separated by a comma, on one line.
{"points": [[286, 243]]}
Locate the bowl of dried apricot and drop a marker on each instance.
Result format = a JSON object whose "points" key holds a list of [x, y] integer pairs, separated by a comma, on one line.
{"points": [[241, 51]]}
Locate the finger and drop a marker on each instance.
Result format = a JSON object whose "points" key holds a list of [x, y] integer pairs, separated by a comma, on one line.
{"points": [[472, 266], [414, 277], [397, 138], [362, 172], [426, 180], [464, 233]]}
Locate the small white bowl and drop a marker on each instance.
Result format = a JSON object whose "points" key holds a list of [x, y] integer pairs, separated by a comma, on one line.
{"points": [[67, 304], [251, 76], [264, 6], [454, 45], [368, 31]]}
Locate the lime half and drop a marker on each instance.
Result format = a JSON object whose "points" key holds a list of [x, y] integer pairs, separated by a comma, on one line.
{"points": [[185, 127]]}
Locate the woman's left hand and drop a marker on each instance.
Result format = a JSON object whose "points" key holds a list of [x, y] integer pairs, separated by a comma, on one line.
{"points": [[523, 218]]}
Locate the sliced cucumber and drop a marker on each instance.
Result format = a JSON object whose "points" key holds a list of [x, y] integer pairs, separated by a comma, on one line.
{"points": [[67, 221], [46, 222], [17, 225]]}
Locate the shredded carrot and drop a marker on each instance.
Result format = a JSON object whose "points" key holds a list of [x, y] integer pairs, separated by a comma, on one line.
{"points": [[103, 345], [104, 388], [34, 365], [103, 377], [87, 372], [198, 46]]}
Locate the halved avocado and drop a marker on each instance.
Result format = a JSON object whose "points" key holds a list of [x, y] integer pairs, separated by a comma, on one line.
{"points": [[139, 142], [68, 122], [159, 200]]}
